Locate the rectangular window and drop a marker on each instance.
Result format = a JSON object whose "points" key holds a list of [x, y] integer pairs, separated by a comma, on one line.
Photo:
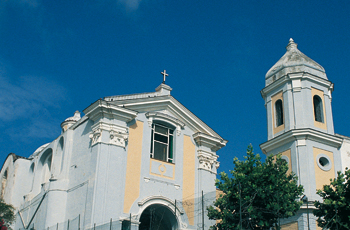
{"points": [[162, 143]]}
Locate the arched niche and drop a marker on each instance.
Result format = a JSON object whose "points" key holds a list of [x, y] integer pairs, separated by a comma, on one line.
{"points": [[45, 162], [31, 173], [59, 156]]}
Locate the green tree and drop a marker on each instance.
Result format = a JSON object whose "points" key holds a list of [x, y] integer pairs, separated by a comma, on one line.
{"points": [[7, 215], [258, 193], [334, 211]]}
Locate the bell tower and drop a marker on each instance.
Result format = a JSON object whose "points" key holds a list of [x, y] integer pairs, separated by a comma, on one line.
{"points": [[298, 99]]}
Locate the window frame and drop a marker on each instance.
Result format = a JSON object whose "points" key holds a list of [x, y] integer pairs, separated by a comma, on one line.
{"points": [[318, 108], [274, 98], [169, 154], [329, 164], [279, 112]]}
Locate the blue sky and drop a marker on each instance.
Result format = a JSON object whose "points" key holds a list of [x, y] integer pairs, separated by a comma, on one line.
{"points": [[60, 56]]}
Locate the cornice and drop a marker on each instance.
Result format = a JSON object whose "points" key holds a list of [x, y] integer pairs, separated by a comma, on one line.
{"points": [[294, 76], [279, 82], [211, 142], [301, 134], [101, 108], [165, 117]]}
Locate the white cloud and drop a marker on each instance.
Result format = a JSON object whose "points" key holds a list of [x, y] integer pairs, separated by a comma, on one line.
{"points": [[35, 129], [28, 96], [130, 4], [28, 106]]}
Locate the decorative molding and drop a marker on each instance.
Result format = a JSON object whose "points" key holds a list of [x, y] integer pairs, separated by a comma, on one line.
{"points": [[205, 163], [326, 167], [302, 135], [217, 164], [183, 225], [159, 200], [158, 181], [207, 160], [293, 77], [103, 109], [118, 135], [95, 136], [211, 142], [118, 138], [296, 84], [301, 142], [165, 118], [169, 103], [178, 130], [150, 121], [162, 169]]}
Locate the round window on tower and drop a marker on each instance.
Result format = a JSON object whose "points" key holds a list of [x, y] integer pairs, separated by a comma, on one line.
{"points": [[324, 162]]}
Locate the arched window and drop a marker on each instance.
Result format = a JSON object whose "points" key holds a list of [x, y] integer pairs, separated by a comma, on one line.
{"points": [[279, 112], [162, 141], [318, 109]]}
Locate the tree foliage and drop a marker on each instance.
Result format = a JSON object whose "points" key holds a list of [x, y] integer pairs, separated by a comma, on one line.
{"points": [[7, 215], [263, 191], [334, 211]]}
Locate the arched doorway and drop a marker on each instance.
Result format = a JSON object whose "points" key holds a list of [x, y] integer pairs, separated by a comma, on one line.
{"points": [[157, 217]]}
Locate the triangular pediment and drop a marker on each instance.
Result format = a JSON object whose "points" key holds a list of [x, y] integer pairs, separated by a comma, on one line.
{"points": [[169, 106]]}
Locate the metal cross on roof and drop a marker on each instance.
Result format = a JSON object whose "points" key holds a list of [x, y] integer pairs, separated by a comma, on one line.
{"points": [[164, 75]]}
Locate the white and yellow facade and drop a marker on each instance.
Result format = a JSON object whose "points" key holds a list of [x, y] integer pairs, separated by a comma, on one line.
{"points": [[101, 167], [306, 136]]}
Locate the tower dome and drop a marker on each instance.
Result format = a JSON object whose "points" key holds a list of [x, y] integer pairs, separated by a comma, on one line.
{"points": [[294, 61]]}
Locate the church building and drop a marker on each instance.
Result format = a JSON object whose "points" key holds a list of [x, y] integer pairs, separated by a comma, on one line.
{"points": [[298, 101], [142, 161], [123, 165]]}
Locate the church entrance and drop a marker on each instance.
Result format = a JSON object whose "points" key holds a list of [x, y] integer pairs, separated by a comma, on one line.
{"points": [[157, 217]]}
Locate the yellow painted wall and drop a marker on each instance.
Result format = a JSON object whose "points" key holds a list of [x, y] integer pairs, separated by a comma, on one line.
{"points": [[287, 154], [321, 125], [323, 177], [290, 226], [188, 187], [273, 101], [133, 165]]}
